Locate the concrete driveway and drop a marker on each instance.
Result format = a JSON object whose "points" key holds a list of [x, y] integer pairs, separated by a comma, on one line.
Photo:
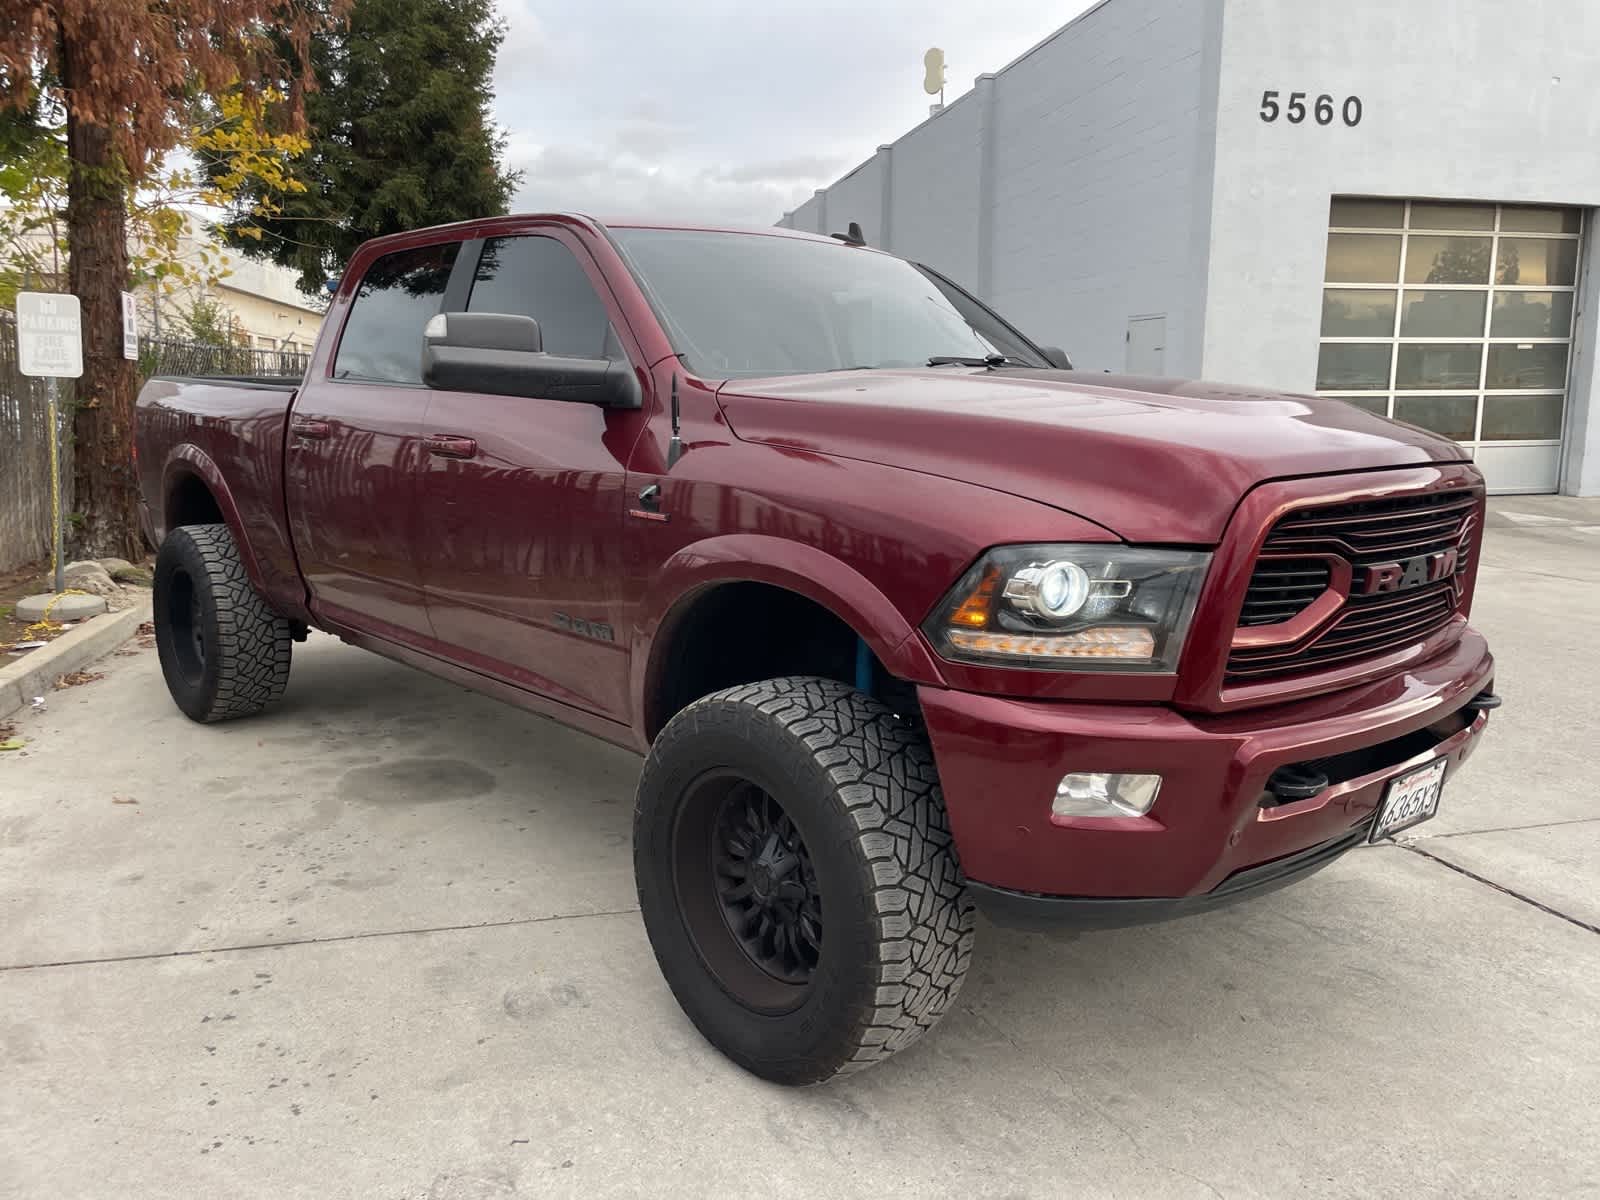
{"points": [[384, 943]]}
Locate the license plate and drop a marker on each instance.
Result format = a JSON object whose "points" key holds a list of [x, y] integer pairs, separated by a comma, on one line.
{"points": [[1410, 800]]}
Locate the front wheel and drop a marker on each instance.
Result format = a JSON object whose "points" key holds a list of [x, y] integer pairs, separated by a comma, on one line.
{"points": [[224, 653], [797, 877]]}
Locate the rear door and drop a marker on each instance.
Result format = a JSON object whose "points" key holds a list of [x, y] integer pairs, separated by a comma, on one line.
{"points": [[522, 498], [355, 450]]}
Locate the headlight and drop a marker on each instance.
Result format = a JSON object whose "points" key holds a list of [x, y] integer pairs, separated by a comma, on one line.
{"points": [[1071, 608]]}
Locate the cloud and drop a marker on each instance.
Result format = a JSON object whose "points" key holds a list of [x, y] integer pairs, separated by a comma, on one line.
{"points": [[557, 165], [721, 110], [805, 168], [622, 185], [647, 138], [531, 51]]}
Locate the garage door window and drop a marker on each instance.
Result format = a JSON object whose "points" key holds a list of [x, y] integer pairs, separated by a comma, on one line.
{"points": [[1453, 316]]}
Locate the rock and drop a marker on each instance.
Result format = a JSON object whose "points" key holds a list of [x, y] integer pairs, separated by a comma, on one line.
{"points": [[137, 576], [113, 565], [89, 577], [64, 608]]}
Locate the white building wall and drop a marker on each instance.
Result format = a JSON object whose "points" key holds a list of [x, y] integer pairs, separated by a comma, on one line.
{"points": [[859, 197], [808, 216], [1101, 167], [1067, 189], [269, 323], [1580, 468], [1479, 100], [934, 211]]}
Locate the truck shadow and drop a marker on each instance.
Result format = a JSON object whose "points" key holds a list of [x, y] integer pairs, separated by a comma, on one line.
{"points": [[1044, 1011], [392, 737]]}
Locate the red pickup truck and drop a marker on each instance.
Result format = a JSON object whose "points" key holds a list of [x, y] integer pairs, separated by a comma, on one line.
{"points": [[907, 616]]}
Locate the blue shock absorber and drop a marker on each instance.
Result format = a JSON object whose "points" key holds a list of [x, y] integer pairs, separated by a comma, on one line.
{"points": [[863, 667]]}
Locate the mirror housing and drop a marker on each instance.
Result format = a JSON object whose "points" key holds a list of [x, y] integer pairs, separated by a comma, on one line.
{"points": [[1056, 357], [503, 355]]}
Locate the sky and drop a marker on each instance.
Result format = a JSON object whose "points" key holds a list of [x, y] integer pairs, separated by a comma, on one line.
{"points": [[728, 111]]}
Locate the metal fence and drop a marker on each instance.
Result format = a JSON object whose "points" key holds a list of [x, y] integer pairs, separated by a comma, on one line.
{"points": [[25, 458], [163, 356], [25, 428]]}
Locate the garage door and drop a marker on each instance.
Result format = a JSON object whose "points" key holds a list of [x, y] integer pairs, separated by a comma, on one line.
{"points": [[1456, 317]]}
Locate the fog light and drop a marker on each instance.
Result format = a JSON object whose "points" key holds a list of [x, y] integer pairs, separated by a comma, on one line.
{"points": [[1105, 794]]}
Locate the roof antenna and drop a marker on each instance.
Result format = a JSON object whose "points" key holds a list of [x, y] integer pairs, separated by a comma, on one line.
{"points": [[675, 446], [853, 236]]}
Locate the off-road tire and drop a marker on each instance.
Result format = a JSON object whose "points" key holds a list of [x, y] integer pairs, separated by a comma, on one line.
{"points": [[224, 653], [897, 923]]}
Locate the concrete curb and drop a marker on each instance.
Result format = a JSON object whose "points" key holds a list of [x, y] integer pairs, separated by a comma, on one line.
{"points": [[36, 672]]}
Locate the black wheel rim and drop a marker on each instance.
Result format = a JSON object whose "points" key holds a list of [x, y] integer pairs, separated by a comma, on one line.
{"points": [[748, 892], [186, 620], [767, 885]]}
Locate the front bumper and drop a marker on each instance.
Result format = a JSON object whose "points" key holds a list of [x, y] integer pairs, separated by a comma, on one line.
{"points": [[1215, 834]]}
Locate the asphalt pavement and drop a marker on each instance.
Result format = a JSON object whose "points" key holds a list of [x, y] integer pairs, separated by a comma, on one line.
{"points": [[383, 943]]}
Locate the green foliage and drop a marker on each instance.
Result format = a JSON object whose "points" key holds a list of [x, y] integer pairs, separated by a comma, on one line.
{"points": [[33, 172], [234, 142], [401, 137], [210, 323]]}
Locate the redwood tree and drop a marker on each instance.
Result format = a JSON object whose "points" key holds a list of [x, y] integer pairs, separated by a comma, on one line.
{"points": [[127, 72]]}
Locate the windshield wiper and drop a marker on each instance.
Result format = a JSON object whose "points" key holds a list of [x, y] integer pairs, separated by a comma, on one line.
{"points": [[988, 360]]}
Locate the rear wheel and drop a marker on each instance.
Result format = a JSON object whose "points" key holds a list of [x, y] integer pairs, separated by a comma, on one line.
{"points": [[797, 877], [224, 653]]}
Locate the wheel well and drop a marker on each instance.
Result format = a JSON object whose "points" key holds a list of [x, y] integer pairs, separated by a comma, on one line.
{"points": [[192, 503], [736, 633]]}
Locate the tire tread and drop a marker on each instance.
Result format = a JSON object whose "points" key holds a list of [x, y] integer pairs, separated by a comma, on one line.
{"points": [[255, 644], [882, 772]]}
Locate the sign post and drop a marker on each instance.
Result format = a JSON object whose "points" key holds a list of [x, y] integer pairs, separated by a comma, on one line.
{"points": [[50, 346], [56, 556]]}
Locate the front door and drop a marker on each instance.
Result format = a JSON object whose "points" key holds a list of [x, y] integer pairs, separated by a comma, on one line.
{"points": [[1147, 345], [354, 451], [522, 498]]}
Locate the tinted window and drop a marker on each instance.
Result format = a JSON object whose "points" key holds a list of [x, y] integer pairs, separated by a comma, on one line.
{"points": [[382, 338], [538, 277], [740, 304]]}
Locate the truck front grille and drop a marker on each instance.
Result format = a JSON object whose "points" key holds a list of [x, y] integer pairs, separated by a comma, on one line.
{"points": [[1282, 588], [1403, 587]]}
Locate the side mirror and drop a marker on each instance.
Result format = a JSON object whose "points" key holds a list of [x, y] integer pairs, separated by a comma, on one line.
{"points": [[1056, 357], [503, 355]]}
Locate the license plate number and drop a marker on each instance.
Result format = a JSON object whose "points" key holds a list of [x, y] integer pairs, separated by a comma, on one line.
{"points": [[1410, 799]]}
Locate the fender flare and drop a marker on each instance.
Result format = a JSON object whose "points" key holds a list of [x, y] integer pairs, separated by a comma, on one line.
{"points": [[187, 461], [795, 566]]}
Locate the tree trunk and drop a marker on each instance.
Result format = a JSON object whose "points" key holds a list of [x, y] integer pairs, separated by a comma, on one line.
{"points": [[106, 520]]}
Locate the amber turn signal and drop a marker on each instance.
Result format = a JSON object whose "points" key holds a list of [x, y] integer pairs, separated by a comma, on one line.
{"points": [[973, 612]]}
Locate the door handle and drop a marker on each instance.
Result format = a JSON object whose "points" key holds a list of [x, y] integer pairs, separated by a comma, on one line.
{"points": [[446, 446], [305, 427]]}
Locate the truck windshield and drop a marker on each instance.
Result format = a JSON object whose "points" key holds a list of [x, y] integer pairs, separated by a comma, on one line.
{"points": [[750, 304]]}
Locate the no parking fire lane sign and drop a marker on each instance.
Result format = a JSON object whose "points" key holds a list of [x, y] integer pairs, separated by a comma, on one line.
{"points": [[49, 335]]}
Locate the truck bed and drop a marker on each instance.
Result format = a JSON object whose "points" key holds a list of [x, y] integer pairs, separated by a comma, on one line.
{"points": [[275, 382], [189, 431]]}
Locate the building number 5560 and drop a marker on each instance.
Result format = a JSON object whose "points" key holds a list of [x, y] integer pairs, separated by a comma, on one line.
{"points": [[1322, 109]]}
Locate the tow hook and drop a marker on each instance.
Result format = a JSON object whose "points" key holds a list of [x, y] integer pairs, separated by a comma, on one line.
{"points": [[1296, 781], [1483, 702]]}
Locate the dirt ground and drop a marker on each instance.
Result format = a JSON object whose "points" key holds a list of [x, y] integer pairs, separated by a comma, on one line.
{"points": [[32, 580], [14, 585]]}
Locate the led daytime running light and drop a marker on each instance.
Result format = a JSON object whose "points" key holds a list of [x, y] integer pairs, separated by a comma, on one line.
{"points": [[1106, 641]]}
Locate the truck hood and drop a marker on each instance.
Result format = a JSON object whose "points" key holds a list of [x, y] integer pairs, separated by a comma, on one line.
{"points": [[1152, 460]]}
